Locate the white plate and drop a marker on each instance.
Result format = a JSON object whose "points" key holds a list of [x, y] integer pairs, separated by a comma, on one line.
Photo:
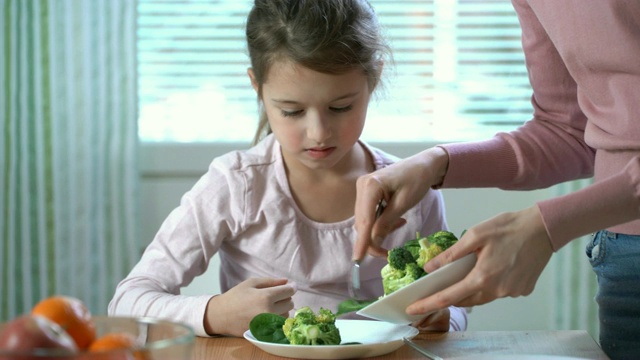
{"points": [[391, 308], [376, 338]]}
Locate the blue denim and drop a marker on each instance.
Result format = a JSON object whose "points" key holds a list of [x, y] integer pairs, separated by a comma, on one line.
{"points": [[615, 259]]}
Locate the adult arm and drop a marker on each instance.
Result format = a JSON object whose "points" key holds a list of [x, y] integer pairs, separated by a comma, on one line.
{"points": [[514, 248]]}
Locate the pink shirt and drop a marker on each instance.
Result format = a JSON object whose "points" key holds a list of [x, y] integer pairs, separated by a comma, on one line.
{"points": [[583, 59], [242, 208]]}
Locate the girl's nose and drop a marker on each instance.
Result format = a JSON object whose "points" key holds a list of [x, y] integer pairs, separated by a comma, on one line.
{"points": [[318, 128]]}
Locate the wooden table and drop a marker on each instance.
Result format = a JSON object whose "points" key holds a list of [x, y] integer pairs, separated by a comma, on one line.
{"points": [[574, 343]]}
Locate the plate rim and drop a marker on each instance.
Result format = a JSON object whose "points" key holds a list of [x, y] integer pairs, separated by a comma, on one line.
{"points": [[337, 351]]}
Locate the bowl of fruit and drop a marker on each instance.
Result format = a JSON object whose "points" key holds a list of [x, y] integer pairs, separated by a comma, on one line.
{"points": [[61, 327]]}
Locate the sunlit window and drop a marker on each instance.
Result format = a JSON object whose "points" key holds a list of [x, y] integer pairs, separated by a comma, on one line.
{"points": [[458, 71]]}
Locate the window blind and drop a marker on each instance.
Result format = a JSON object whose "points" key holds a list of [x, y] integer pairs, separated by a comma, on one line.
{"points": [[457, 73]]}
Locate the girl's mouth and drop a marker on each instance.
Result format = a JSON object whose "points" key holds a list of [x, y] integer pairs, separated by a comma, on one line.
{"points": [[320, 153]]}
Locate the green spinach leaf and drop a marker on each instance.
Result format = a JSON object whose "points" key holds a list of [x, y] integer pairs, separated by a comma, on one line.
{"points": [[351, 305], [267, 327]]}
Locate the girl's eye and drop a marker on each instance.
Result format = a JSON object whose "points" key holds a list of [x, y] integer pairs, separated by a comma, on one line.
{"points": [[286, 113], [341, 109]]}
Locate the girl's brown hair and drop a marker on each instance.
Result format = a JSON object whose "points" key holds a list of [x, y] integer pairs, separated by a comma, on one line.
{"points": [[328, 36]]}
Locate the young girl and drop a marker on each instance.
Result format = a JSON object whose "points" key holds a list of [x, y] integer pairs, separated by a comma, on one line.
{"points": [[281, 213]]}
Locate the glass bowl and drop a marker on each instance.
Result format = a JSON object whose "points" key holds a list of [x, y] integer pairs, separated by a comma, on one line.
{"points": [[156, 339]]}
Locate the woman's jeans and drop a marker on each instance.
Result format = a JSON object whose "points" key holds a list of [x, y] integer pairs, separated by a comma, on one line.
{"points": [[615, 258]]}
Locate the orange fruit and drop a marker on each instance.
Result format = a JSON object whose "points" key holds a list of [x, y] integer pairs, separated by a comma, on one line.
{"points": [[113, 341], [117, 341], [71, 314]]}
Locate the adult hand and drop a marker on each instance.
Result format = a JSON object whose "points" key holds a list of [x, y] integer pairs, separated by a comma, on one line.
{"points": [[402, 185], [231, 312], [512, 250]]}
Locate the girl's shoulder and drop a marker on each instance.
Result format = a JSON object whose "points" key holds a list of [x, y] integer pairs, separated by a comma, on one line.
{"points": [[241, 182], [237, 171], [251, 172], [380, 157], [265, 153]]}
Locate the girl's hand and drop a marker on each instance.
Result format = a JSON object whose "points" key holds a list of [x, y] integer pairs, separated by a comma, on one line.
{"points": [[512, 250], [231, 312], [437, 321]]}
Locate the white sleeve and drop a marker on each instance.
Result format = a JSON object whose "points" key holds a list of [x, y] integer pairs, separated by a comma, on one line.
{"points": [[180, 251], [458, 319]]}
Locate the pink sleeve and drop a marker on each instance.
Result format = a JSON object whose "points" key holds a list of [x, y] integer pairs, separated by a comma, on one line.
{"points": [[550, 149], [546, 150]]}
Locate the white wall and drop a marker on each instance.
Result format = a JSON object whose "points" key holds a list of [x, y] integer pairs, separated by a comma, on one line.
{"points": [[170, 170]]}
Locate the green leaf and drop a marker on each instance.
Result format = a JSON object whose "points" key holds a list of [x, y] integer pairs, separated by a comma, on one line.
{"points": [[351, 305], [267, 327]]}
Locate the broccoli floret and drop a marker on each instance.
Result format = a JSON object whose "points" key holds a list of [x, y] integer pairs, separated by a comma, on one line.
{"points": [[406, 263], [444, 239], [433, 245], [399, 257], [415, 271], [402, 268], [393, 279], [413, 246], [308, 328], [325, 316], [287, 326], [388, 271]]}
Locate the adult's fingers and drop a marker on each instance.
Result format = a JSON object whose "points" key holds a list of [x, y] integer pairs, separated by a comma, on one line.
{"points": [[369, 193], [375, 249], [487, 281], [463, 294]]}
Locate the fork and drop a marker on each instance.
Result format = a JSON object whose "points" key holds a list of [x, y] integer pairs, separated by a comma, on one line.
{"points": [[421, 350], [354, 284]]}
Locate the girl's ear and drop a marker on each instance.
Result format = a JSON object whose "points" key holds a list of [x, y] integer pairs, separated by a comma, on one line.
{"points": [[252, 76]]}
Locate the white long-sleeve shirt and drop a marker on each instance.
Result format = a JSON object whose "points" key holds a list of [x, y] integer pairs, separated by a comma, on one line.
{"points": [[243, 209]]}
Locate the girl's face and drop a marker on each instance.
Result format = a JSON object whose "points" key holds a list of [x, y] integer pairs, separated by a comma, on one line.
{"points": [[317, 118]]}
